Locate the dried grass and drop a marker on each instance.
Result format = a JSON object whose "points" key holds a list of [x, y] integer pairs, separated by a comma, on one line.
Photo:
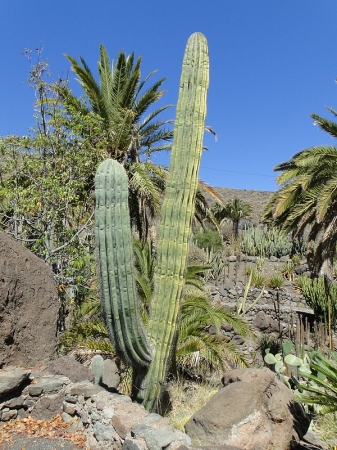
{"points": [[187, 398]]}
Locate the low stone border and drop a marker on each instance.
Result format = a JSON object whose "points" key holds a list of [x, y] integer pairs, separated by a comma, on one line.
{"points": [[109, 420]]}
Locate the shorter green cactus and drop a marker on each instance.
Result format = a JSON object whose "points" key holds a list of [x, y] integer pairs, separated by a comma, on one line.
{"points": [[96, 367]]}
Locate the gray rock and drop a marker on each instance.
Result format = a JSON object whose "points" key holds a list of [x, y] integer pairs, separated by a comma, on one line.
{"points": [[84, 416], [111, 378], [223, 292], [251, 258], [70, 368], [314, 440], [12, 379], [29, 402], [84, 388], [108, 413], [35, 390], [160, 439], [229, 283], [130, 444], [95, 416], [21, 413], [48, 406], [29, 306], [92, 390], [265, 323], [227, 327], [69, 408], [253, 411], [14, 402], [70, 398], [104, 432], [9, 415], [66, 417], [238, 339], [302, 268], [45, 385]]}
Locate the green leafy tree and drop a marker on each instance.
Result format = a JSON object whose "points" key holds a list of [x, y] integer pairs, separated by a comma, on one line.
{"points": [[46, 186], [234, 210], [132, 132], [209, 239]]}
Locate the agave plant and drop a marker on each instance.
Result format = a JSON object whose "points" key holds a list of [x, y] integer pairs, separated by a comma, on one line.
{"points": [[321, 388]]}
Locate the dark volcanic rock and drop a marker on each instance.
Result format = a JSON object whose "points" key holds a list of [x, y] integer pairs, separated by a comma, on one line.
{"points": [[28, 307], [69, 367]]}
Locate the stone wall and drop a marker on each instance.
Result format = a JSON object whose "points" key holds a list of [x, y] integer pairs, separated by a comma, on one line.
{"points": [[277, 313], [109, 420]]}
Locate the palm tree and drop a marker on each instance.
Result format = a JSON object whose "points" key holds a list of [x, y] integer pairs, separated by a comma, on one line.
{"points": [[235, 210], [120, 104], [197, 351], [307, 200]]}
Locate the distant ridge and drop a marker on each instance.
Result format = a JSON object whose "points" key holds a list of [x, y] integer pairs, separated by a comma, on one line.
{"points": [[257, 199]]}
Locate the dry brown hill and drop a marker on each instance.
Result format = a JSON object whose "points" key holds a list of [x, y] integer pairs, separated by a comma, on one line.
{"points": [[257, 199]]}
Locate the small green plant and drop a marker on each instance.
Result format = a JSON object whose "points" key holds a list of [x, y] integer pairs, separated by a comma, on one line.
{"points": [[288, 270], [267, 341], [216, 264], [259, 263], [275, 281], [258, 280], [250, 269], [296, 259]]}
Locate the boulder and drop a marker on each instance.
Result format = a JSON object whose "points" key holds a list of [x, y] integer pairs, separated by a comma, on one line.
{"points": [[11, 379], [28, 307], [111, 378], [70, 368], [265, 323], [48, 406], [253, 411]]}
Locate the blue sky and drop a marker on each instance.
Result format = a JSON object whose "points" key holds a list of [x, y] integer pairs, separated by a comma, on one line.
{"points": [[272, 64]]}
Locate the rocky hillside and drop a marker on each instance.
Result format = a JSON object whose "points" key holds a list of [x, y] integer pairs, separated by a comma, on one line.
{"points": [[257, 199]]}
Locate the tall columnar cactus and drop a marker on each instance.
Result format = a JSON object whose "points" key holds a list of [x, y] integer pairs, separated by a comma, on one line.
{"points": [[150, 351]]}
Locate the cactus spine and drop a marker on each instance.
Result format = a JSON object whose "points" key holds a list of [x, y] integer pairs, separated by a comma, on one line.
{"points": [[151, 356]]}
